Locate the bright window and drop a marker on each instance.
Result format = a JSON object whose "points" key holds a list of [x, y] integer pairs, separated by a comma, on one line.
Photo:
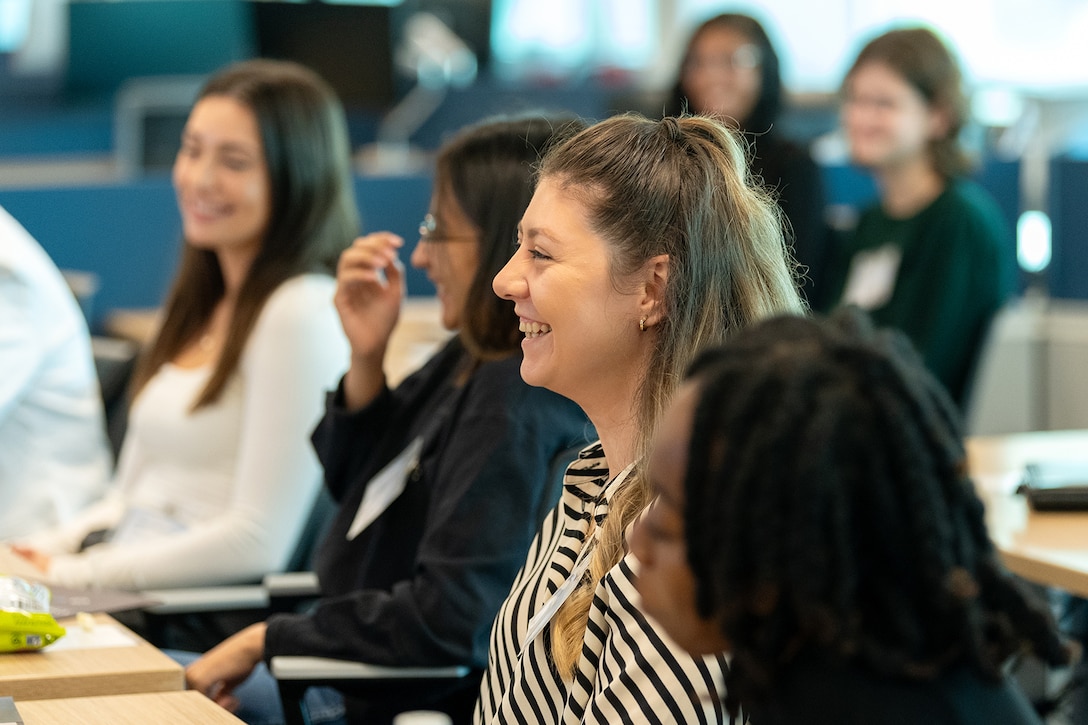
{"points": [[1035, 45], [14, 20]]}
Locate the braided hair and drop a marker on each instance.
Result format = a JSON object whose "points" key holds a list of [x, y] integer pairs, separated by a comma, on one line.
{"points": [[679, 187], [828, 508]]}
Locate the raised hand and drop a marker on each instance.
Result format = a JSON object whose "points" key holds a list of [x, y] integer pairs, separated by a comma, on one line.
{"points": [[369, 290]]}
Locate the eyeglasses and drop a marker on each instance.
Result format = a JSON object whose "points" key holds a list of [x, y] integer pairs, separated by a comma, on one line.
{"points": [[428, 232], [746, 57]]}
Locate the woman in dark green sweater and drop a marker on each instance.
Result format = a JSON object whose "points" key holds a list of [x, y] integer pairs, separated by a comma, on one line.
{"points": [[933, 257]]}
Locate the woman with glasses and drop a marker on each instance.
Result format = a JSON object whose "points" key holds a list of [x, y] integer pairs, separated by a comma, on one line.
{"points": [[730, 70], [441, 481]]}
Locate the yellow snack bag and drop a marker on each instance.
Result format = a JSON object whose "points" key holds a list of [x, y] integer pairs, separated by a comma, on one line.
{"points": [[27, 630], [25, 621]]}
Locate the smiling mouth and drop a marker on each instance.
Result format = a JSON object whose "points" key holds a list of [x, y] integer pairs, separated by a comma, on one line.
{"points": [[204, 209], [534, 329]]}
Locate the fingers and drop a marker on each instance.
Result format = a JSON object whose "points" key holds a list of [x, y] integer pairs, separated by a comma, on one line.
{"points": [[211, 685], [394, 273], [195, 679], [34, 557], [230, 703], [369, 259]]}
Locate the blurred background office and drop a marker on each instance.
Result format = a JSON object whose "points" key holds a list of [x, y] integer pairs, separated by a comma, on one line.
{"points": [[93, 95]]}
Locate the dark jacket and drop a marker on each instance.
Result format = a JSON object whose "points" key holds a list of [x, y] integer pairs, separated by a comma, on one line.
{"points": [[422, 583]]}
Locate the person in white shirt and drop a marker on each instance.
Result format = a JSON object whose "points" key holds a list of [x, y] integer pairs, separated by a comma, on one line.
{"points": [[54, 456], [216, 474]]}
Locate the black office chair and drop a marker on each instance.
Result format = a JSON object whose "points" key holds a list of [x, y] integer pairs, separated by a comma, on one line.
{"points": [[197, 618], [114, 361]]}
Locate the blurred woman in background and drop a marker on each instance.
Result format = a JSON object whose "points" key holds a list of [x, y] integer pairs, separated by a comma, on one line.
{"points": [[216, 475], [730, 70], [933, 256]]}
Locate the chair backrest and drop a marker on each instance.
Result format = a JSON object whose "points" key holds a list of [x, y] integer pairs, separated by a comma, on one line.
{"points": [[114, 360], [313, 531]]}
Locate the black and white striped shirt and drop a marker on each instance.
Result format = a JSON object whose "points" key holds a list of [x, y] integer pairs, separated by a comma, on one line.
{"points": [[629, 671]]}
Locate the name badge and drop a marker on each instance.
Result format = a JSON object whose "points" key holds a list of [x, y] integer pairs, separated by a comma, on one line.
{"points": [[385, 487], [540, 620], [872, 276]]}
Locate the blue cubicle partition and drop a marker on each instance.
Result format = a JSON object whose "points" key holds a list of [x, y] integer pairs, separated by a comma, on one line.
{"points": [[1067, 276], [852, 187], [128, 234]]}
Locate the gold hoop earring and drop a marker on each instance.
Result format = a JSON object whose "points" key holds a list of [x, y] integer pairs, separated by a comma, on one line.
{"points": [[642, 325]]}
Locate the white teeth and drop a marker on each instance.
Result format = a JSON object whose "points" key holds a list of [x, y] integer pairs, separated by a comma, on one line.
{"points": [[534, 329], [205, 208]]}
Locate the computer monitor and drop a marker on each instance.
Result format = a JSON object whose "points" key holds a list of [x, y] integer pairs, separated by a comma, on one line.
{"points": [[350, 46]]}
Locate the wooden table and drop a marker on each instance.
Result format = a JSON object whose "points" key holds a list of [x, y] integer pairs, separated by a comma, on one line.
{"points": [[96, 670], [1045, 547], [161, 708]]}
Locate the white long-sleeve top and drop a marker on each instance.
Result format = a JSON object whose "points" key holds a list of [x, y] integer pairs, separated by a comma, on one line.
{"points": [[54, 458], [219, 495]]}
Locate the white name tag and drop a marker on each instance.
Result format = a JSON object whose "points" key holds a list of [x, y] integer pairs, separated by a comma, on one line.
{"points": [[871, 280], [385, 487], [540, 620]]}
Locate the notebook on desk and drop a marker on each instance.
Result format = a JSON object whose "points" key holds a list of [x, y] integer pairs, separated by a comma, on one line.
{"points": [[1056, 485], [66, 601]]}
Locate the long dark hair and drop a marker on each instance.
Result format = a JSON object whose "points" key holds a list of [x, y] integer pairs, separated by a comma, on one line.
{"points": [[488, 168], [313, 216], [765, 113], [828, 509]]}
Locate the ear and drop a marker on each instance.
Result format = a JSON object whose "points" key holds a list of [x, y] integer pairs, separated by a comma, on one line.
{"points": [[652, 295], [939, 123]]}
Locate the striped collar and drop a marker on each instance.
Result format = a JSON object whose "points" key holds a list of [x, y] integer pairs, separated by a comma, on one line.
{"points": [[588, 479]]}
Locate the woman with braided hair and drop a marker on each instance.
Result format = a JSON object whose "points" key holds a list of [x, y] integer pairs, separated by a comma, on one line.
{"points": [[644, 241], [814, 520]]}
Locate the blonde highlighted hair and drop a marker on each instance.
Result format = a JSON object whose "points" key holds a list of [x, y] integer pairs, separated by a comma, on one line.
{"points": [[681, 187]]}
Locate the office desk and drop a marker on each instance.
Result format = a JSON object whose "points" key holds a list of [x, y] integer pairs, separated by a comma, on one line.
{"points": [[161, 708], [1048, 548], [57, 672]]}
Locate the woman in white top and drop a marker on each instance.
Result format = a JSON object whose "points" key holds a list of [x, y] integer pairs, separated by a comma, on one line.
{"points": [[216, 474], [644, 242]]}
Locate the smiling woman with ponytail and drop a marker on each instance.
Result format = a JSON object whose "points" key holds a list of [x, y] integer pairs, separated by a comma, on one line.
{"points": [[644, 242]]}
